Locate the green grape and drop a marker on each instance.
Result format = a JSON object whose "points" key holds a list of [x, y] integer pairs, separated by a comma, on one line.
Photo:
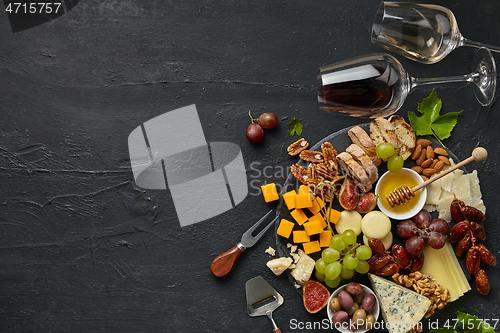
{"points": [[330, 255], [350, 262], [346, 273], [320, 265], [363, 252], [395, 163], [349, 237], [337, 243], [319, 276], [332, 271], [384, 150], [333, 283], [363, 267]]}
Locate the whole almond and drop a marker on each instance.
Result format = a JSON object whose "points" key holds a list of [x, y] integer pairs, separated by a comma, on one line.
{"points": [[439, 166], [444, 159], [424, 177], [428, 172], [417, 169], [416, 153], [421, 158], [423, 142], [440, 151], [434, 162], [427, 163], [429, 152]]}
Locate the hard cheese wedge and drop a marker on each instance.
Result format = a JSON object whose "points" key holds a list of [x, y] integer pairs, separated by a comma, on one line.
{"points": [[401, 307]]}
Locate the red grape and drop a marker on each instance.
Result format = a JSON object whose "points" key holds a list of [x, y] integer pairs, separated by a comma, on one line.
{"points": [[414, 245], [436, 240], [255, 133], [406, 229], [439, 225], [422, 219], [268, 120]]}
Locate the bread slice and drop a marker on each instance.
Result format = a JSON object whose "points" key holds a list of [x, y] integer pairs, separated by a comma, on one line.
{"points": [[360, 156], [405, 136], [381, 130], [362, 139], [354, 171]]}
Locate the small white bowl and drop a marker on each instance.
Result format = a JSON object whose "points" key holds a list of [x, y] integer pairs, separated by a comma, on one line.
{"points": [[417, 208], [344, 328]]}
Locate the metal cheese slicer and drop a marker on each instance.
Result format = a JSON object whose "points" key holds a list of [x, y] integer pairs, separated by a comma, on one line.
{"points": [[262, 299]]}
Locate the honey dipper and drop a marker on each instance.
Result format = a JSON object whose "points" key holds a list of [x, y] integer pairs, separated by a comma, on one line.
{"points": [[403, 194]]}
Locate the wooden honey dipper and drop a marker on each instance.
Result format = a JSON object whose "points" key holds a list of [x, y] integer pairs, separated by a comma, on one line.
{"points": [[403, 194]]}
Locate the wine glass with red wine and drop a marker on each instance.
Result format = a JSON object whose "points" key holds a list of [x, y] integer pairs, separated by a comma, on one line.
{"points": [[421, 32], [377, 85]]}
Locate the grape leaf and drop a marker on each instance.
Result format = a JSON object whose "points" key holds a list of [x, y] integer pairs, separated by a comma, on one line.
{"points": [[295, 127], [431, 122], [471, 324]]}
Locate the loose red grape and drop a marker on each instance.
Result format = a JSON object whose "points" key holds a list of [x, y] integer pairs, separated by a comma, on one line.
{"points": [[268, 120], [255, 133], [406, 229], [436, 240], [439, 225], [422, 219], [414, 245]]}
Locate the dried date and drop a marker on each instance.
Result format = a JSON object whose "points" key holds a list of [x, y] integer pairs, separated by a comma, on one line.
{"points": [[463, 245], [402, 258], [388, 270], [486, 256], [477, 231], [472, 260], [456, 210], [376, 246], [473, 214], [482, 282], [377, 262], [417, 263], [458, 231]]}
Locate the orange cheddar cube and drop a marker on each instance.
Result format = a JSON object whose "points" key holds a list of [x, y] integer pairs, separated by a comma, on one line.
{"points": [[324, 238], [285, 228], [318, 203], [313, 227], [289, 198], [311, 247], [318, 217], [300, 236], [303, 199], [270, 192], [332, 215], [299, 216]]}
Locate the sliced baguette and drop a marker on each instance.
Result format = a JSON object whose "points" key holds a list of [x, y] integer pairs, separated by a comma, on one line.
{"points": [[381, 130], [354, 171], [360, 156], [405, 136], [362, 139]]}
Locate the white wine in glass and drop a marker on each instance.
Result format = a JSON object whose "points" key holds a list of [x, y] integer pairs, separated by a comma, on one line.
{"points": [[421, 32]]}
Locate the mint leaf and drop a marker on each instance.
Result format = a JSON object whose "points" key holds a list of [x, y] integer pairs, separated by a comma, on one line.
{"points": [[295, 127]]}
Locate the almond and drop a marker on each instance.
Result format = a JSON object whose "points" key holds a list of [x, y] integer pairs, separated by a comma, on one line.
{"points": [[440, 151], [439, 166], [421, 157], [416, 153], [428, 172], [444, 159], [424, 178], [429, 152], [434, 162], [423, 142], [427, 163], [417, 169]]}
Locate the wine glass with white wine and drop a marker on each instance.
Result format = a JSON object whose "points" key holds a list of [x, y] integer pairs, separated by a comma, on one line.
{"points": [[421, 32]]}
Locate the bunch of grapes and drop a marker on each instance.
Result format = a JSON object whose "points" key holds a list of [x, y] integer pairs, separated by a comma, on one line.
{"points": [[422, 230], [386, 150], [342, 259]]}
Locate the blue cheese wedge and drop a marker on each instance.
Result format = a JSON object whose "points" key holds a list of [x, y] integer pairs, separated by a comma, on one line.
{"points": [[303, 268], [401, 307]]}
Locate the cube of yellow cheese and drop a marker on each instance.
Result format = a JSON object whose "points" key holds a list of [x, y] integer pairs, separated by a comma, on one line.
{"points": [[269, 192], [318, 203], [300, 236], [318, 217], [332, 216], [313, 227], [299, 216], [303, 199], [289, 198], [285, 228], [311, 247], [324, 238]]}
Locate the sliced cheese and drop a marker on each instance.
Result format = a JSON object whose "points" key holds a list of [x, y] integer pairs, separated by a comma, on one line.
{"points": [[303, 268], [435, 266], [464, 282], [401, 307], [279, 265]]}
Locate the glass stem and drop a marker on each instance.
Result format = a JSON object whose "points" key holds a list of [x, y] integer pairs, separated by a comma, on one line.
{"points": [[445, 79], [467, 42]]}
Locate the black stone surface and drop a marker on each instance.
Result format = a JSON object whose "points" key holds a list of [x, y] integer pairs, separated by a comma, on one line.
{"points": [[82, 249]]}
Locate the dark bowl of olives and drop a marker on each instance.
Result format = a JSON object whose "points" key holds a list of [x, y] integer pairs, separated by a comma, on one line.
{"points": [[353, 308]]}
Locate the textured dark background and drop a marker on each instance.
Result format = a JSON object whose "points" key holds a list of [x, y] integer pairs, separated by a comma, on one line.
{"points": [[82, 249]]}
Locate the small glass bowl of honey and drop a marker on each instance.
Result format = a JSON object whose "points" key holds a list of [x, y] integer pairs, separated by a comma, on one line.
{"points": [[392, 180]]}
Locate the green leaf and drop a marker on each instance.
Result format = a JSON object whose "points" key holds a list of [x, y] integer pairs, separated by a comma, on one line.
{"points": [[431, 122], [471, 324], [295, 127]]}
